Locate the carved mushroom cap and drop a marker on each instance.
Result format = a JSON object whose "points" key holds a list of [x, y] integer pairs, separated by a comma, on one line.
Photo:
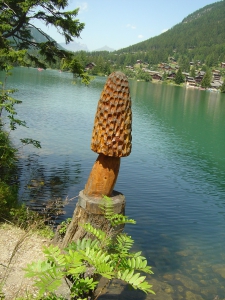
{"points": [[111, 134]]}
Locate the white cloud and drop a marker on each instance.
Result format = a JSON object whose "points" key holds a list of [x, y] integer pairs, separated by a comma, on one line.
{"points": [[82, 6], [131, 26], [164, 30], [140, 36]]}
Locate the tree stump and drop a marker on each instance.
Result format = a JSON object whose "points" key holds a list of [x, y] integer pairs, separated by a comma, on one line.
{"points": [[88, 211]]}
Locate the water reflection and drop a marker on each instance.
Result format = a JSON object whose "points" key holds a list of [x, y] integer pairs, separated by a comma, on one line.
{"points": [[48, 184]]}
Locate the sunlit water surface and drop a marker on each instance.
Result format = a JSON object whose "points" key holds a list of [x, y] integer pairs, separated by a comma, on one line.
{"points": [[174, 179]]}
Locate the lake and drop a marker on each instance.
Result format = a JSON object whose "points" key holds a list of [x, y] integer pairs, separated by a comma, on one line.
{"points": [[173, 181]]}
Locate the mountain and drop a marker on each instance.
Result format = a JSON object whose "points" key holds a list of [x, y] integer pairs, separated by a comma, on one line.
{"points": [[105, 48], [74, 46], [200, 36], [40, 38]]}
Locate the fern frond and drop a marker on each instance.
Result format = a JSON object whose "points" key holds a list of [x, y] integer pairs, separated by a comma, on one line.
{"points": [[100, 260], [107, 207], [94, 255], [104, 270], [124, 243], [36, 268], [74, 263], [135, 280], [139, 263], [118, 219], [53, 254], [113, 218], [86, 243], [98, 233], [84, 285], [49, 276]]}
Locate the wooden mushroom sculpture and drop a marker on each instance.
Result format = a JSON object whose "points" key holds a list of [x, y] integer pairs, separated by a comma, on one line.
{"points": [[111, 136]]}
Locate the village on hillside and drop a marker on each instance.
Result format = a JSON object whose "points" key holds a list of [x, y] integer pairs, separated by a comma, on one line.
{"points": [[167, 71]]}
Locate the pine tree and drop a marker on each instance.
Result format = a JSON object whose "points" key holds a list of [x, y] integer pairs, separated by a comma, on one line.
{"points": [[192, 73], [223, 87], [206, 81], [179, 78], [16, 28]]}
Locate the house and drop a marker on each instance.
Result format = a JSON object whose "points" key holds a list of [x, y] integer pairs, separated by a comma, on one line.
{"points": [[222, 64], [190, 81], [199, 76], [130, 67], [172, 59], [157, 76], [186, 75], [165, 66], [90, 66], [216, 84], [216, 75], [171, 75]]}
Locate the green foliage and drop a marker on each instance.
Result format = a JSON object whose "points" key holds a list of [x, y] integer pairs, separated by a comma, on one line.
{"points": [[179, 78], [142, 75], [192, 73], [7, 104], [108, 254], [184, 63], [23, 217], [7, 152], [8, 198], [16, 27], [74, 66], [115, 219], [164, 77], [223, 87], [206, 81], [64, 225], [8, 183]]}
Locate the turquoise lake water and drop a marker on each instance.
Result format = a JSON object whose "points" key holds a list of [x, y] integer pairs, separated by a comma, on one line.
{"points": [[174, 179]]}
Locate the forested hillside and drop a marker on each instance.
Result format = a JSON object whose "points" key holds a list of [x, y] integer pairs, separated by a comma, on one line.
{"points": [[200, 36]]}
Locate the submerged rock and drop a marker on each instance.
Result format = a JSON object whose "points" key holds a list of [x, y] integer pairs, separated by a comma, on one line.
{"points": [[187, 282], [192, 296], [168, 277], [219, 269], [184, 253]]}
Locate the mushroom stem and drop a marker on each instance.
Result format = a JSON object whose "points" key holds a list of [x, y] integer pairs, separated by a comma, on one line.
{"points": [[103, 176]]}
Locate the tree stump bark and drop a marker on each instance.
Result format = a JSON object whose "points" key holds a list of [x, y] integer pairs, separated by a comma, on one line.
{"points": [[88, 211]]}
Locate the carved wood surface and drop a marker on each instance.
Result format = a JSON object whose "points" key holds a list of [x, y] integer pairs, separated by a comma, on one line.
{"points": [[103, 176], [112, 126]]}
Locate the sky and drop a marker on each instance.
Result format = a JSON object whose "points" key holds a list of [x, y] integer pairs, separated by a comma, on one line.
{"points": [[121, 23]]}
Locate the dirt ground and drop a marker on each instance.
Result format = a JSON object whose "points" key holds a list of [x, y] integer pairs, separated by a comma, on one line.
{"points": [[17, 249]]}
